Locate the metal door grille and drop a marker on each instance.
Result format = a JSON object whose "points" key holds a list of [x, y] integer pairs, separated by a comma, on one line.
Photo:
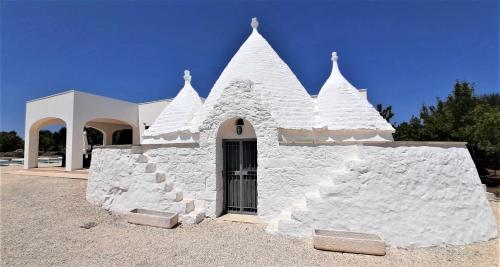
{"points": [[240, 176]]}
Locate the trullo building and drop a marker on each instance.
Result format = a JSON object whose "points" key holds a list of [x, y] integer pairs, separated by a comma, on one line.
{"points": [[260, 144]]}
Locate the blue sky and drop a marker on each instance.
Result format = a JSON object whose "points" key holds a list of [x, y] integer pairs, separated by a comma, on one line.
{"points": [[405, 53]]}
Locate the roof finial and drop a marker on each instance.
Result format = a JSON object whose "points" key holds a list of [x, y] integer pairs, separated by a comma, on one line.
{"points": [[335, 57], [187, 76], [255, 23]]}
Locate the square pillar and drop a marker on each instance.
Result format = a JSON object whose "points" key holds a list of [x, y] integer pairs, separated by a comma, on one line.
{"points": [[107, 138], [31, 137], [74, 146], [136, 136]]}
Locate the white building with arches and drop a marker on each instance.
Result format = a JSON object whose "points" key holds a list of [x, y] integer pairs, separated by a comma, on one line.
{"points": [[76, 110], [261, 145]]}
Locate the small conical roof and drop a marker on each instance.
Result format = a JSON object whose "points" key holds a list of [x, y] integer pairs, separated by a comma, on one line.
{"points": [[342, 107], [178, 114], [288, 101]]}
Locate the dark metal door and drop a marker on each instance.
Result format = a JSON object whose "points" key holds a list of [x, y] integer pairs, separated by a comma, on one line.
{"points": [[240, 176]]}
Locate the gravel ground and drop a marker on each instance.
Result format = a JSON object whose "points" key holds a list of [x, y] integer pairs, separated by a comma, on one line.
{"points": [[41, 219]]}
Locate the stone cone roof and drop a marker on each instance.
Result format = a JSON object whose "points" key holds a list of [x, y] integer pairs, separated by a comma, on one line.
{"points": [[290, 104], [342, 107], [178, 114]]}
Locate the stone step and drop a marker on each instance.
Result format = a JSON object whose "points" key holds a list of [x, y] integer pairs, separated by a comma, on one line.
{"points": [[200, 204], [194, 217], [148, 177], [300, 213], [355, 165], [174, 196], [272, 226], [142, 159], [189, 205], [294, 228], [285, 214], [168, 186], [300, 210], [155, 178], [182, 207], [160, 177], [328, 189], [341, 189], [150, 168]]}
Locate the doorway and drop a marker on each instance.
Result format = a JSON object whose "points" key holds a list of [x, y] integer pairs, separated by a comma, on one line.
{"points": [[240, 176]]}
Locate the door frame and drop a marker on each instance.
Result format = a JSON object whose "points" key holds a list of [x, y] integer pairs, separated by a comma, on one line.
{"points": [[224, 180]]}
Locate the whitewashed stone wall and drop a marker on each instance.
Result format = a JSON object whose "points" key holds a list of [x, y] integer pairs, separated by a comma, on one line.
{"points": [[411, 195], [195, 169], [238, 100], [120, 181]]}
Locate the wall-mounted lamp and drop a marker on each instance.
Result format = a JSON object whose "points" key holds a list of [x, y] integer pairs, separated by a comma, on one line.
{"points": [[239, 126]]}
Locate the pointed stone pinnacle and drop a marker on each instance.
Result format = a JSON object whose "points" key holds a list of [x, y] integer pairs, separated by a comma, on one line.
{"points": [[335, 57], [255, 23], [187, 76]]}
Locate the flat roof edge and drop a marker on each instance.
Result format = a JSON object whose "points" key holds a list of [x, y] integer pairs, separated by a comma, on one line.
{"points": [[154, 101], [80, 92], [49, 96], [107, 97]]}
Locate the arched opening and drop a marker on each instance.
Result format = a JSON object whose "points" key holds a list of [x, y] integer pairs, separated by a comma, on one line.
{"points": [[95, 136], [46, 143], [105, 131], [91, 137], [122, 137], [236, 163], [115, 132]]}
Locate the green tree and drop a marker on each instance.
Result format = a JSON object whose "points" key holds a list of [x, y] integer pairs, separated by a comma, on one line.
{"points": [[60, 140], [386, 112], [10, 141], [409, 131], [463, 116], [46, 141], [484, 136]]}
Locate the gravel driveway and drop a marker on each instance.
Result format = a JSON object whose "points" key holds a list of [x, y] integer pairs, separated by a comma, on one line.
{"points": [[41, 219]]}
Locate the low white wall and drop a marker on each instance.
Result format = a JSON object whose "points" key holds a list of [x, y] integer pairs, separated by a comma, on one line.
{"points": [[410, 195], [323, 135], [119, 182], [111, 175]]}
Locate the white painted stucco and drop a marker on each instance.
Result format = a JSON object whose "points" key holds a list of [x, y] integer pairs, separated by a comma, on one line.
{"points": [[416, 195], [173, 125], [412, 195], [149, 111], [339, 113], [341, 106], [285, 96], [75, 109]]}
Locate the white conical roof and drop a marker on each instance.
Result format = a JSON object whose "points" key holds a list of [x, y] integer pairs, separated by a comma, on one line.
{"points": [[288, 101], [342, 107], [178, 114]]}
